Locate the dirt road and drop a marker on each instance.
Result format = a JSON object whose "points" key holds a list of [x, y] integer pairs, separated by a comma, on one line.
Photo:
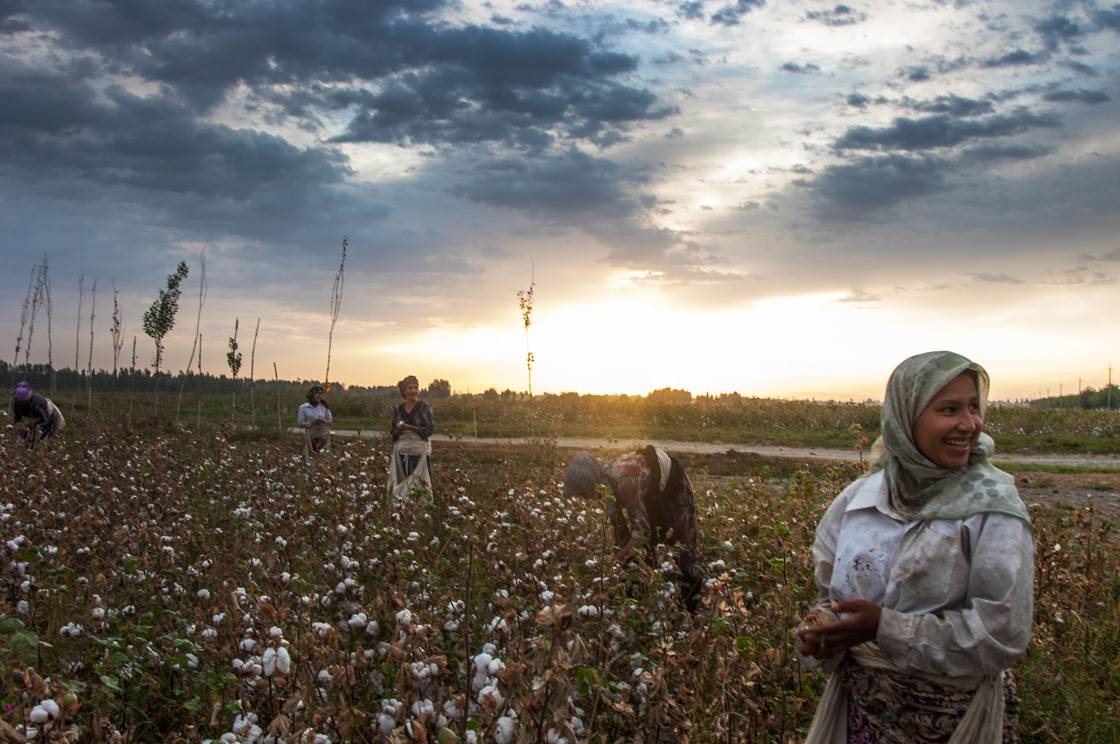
{"points": [[1110, 462]]}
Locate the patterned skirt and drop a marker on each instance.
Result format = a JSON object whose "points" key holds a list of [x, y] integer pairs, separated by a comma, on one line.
{"points": [[889, 707]]}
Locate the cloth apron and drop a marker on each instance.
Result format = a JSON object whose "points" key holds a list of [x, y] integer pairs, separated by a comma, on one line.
{"points": [[401, 485], [982, 721]]}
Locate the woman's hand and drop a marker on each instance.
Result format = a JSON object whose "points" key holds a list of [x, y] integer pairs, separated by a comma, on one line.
{"points": [[828, 640]]}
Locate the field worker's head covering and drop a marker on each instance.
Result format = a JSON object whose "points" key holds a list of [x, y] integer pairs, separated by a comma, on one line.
{"points": [[312, 392], [22, 391], [410, 380], [918, 487], [582, 475]]}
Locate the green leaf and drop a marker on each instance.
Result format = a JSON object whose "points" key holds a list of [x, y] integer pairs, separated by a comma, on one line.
{"points": [[193, 703], [11, 625], [111, 682]]}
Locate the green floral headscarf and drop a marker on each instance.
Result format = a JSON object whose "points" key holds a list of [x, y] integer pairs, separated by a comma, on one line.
{"points": [[919, 488]]}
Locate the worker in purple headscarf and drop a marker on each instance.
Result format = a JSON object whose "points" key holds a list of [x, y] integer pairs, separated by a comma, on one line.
{"points": [[42, 418]]}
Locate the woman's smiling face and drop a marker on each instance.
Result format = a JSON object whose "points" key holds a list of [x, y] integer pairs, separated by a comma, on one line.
{"points": [[947, 429]]}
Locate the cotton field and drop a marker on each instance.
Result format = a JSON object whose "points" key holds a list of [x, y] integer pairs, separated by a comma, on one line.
{"points": [[172, 586]]}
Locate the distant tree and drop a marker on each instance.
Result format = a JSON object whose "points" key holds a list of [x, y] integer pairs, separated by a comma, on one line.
{"points": [[670, 395], [490, 394], [159, 319], [439, 388]]}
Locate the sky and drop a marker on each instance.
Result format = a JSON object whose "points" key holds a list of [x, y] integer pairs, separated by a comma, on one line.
{"points": [[775, 198]]}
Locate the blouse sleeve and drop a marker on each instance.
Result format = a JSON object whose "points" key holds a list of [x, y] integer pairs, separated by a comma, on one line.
{"points": [[302, 419], [990, 633]]}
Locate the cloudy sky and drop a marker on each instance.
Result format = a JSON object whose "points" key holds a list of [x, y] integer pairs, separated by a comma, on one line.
{"points": [[779, 198]]}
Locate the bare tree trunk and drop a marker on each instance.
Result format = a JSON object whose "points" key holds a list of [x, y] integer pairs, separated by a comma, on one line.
{"points": [[197, 325], [78, 330], [276, 382], [253, 377], [50, 324], [23, 318], [336, 306], [89, 362]]}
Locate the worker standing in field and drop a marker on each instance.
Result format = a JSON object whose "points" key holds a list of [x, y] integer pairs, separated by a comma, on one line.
{"points": [[314, 417], [411, 430], [925, 570], [653, 503], [43, 419]]}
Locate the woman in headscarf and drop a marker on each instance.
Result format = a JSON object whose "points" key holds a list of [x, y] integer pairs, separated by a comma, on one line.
{"points": [[314, 417], [925, 570], [411, 428], [44, 420], [652, 503]]}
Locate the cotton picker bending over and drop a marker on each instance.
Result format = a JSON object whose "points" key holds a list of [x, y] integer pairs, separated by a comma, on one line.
{"points": [[653, 502]]}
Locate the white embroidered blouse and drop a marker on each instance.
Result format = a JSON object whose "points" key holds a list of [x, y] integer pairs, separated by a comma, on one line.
{"points": [[957, 595]]}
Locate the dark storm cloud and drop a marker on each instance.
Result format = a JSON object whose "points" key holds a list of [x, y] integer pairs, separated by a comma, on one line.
{"points": [[1081, 95], [563, 186], [940, 131], [54, 127], [1080, 67], [840, 15], [953, 105], [1108, 18], [1017, 58], [849, 190], [916, 74], [407, 77], [729, 15], [990, 153], [800, 69], [1056, 30]]}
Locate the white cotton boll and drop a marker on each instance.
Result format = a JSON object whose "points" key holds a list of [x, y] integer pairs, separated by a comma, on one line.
{"points": [[589, 611], [404, 617], [490, 698], [666, 567], [342, 529], [495, 666], [39, 715], [247, 644], [717, 566], [547, 596], [321, 629], [324, 677], [275, 632], [268, 661], [506, 730], [22, 607], [283, 661], [50, 706], [203, 594], [286, 577], [358, 620], [209, 633], [386, 723], [237, 664], [372, 628], [481, 669], [340, 588], [727, 545]]}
